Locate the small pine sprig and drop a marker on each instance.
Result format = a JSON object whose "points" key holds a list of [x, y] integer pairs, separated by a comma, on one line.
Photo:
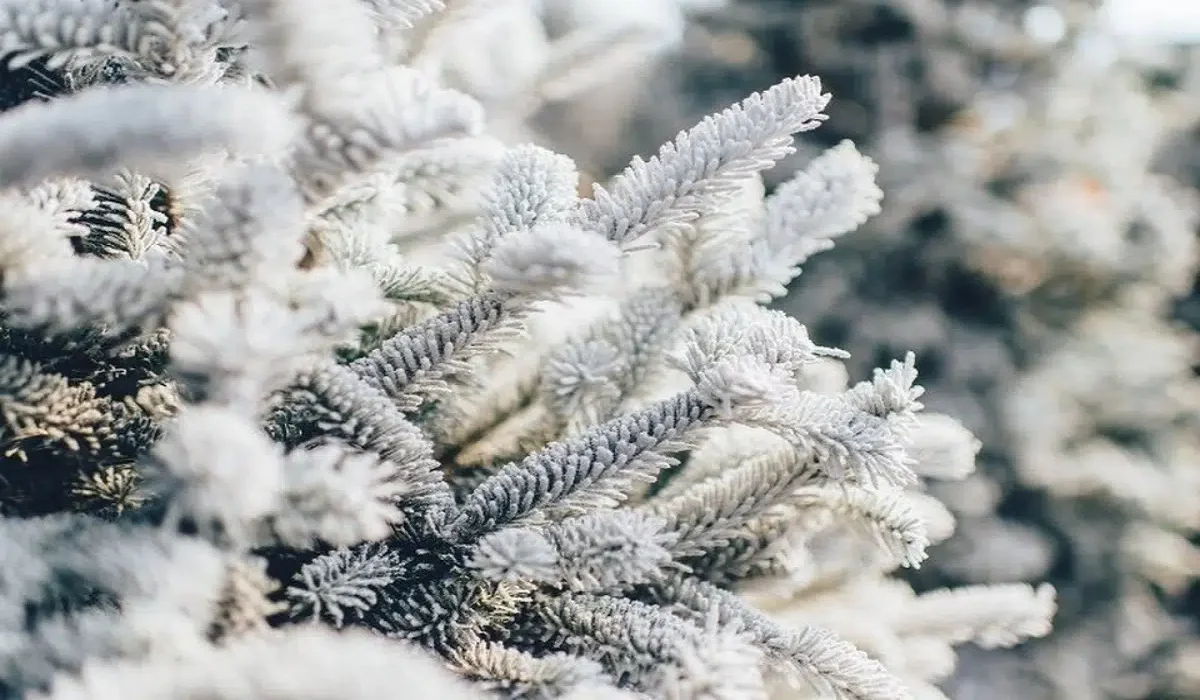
{"points": [[704, 165]]}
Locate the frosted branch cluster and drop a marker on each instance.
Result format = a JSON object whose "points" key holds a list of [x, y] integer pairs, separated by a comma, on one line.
{"points": [[311, 389]]}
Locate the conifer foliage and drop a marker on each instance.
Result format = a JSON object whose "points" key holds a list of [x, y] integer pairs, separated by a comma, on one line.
{"points": [[293, 405]]}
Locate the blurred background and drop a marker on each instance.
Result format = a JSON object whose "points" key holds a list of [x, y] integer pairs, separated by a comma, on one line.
{"points": [[1156, 20], [1038, 249]]}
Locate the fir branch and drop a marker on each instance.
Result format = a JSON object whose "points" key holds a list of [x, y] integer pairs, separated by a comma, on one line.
{"points": [[551, 261], [335, 495], [584, 381], [649, 648], [300, 663], [704, 165], [61, 31], [253, 226], [597, 552], [531, 186], [428, 348], [942, 447], [217, 473], [151, 129], [520, 674], [347, 137], [123, 220], [344, 585], [834, 195], [847, 442], [883, 514], [332, 400], [119, 298], [813, 654], [37, 406], [708, 515], [618, 449], [993, 616]]}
